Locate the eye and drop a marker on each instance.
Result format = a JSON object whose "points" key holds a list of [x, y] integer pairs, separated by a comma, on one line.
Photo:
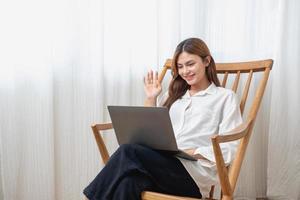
{"points": [[179, 66]]}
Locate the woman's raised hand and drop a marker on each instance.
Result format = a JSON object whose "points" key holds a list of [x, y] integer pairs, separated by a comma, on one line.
{"points": [[151, 85]]}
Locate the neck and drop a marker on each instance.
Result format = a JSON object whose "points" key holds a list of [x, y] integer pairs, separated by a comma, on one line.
{"points": [[201, 86]]}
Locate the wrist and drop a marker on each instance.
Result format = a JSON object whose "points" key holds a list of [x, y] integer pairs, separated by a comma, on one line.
{"points": [[151, 98], [150, 101]]}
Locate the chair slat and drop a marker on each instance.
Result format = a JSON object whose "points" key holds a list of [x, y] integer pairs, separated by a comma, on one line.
{"points": [[225, 79], [236, 81], [245, 92]]}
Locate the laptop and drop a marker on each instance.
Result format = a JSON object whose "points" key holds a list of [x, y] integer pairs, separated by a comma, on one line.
{"points": [[148, 126]]}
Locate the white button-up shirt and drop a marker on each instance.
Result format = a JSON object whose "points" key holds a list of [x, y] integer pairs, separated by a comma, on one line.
{"points": [[195, 119]]}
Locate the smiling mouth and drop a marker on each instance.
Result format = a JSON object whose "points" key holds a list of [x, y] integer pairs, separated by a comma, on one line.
{"points": [[190, 77]]}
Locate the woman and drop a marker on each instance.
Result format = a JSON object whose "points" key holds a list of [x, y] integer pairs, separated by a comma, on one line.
{"points": [[198, 109]]}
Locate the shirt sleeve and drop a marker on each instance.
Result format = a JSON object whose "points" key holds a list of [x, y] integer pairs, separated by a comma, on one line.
{"points": [[162, 99], [230, 120]]}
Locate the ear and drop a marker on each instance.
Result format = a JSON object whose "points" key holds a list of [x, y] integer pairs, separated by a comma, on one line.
{"points": [[207, 60]]}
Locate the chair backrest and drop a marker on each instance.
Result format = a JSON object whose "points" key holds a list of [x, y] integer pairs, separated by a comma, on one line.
{"points": [[235, 70]]}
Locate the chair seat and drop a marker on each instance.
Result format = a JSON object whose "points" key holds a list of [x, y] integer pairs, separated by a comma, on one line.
{"points": [[158, 196]]}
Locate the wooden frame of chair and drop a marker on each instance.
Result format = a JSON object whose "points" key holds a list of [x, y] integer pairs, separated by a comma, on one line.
{"points": [[227, 175]]}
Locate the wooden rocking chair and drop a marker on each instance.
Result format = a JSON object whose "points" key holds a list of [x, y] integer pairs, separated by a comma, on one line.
{"points": [[227, 175]]}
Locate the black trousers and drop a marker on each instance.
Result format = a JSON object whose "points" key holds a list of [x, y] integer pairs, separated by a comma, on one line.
{"points": [[133, 169]]}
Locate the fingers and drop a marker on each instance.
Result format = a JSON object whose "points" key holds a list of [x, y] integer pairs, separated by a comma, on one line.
{"points": [[156, 76], [147, 78], [151, 78]]}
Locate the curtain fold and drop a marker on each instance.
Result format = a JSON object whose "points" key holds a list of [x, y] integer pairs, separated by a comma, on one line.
{"points": [[62, 62], [284, 140]]}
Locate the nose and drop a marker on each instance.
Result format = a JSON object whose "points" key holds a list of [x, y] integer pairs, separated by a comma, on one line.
{"points": [[185, 70]]}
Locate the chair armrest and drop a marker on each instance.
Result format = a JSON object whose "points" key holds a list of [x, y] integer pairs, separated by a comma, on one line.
{"points": [[97, 128], [103, 126], [234, 134]]}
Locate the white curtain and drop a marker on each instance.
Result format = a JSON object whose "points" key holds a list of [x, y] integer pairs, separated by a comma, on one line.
{"points": [[284, 138], [63, 61]]}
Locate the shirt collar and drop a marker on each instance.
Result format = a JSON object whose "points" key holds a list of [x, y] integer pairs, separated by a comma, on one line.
{"points": [[211, 89]]}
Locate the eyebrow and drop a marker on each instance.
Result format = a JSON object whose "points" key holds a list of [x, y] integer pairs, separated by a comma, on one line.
{"points": [[187, 63]]}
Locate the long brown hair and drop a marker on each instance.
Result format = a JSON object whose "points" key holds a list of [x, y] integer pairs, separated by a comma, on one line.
{"points": [[178, 86]]}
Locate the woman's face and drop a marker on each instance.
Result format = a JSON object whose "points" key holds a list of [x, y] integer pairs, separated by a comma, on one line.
{"points": [[191, 68]]}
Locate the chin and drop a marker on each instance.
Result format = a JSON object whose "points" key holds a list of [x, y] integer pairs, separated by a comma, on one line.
{"points": [[192, 82]]}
